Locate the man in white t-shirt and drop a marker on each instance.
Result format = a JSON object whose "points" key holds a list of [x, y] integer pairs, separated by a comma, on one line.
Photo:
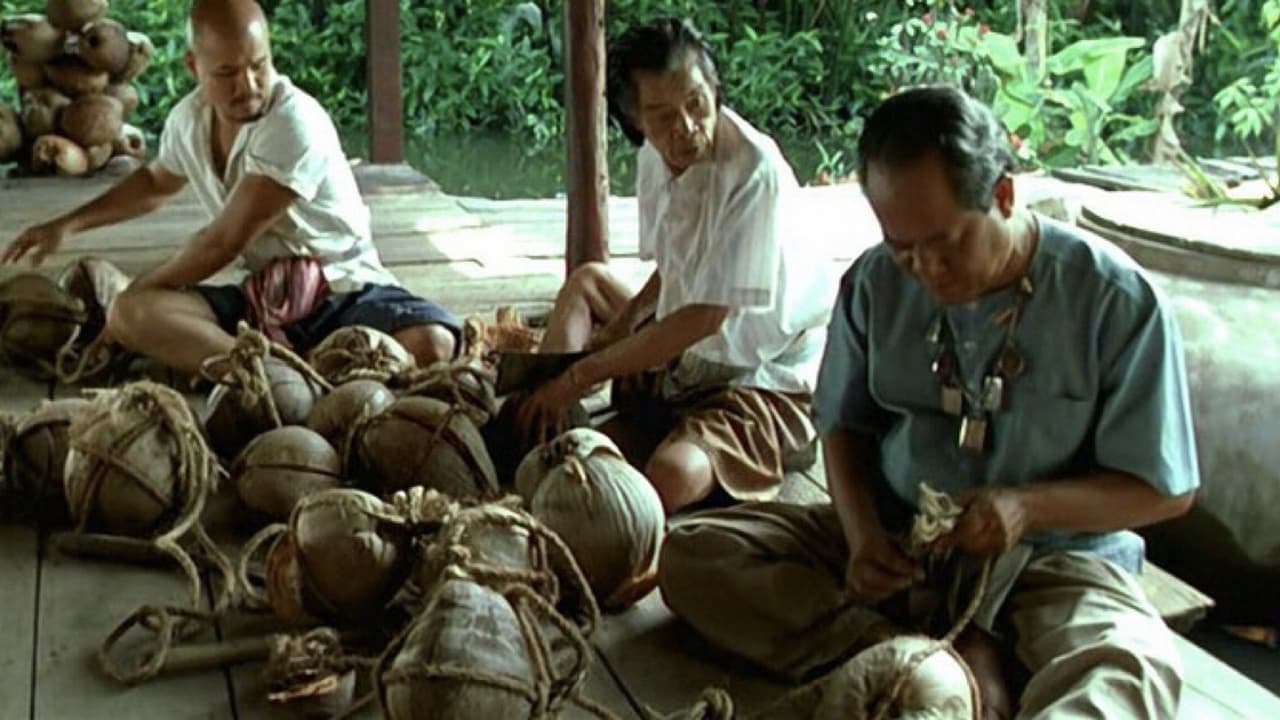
{"points": [[735, 325], [264, 161]]}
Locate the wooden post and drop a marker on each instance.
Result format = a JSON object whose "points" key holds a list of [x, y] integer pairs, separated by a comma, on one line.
{"points": [[386, 106], [586, 239], [1034, 30]]}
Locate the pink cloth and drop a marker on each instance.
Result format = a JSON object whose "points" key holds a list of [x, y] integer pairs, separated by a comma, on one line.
{"points": [[287, 290]]}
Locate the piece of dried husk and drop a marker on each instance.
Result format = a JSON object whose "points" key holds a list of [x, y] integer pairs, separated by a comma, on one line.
{"points": [[141, 51], [343, 558], [310, 675], [60, 155], [282, 466], [75, 77], [73, 15], [942, 687], [37, 320], [262, 386], [476, 652], [104, 44], [36, 454], [131, 143], [508, 332], [92, 121], [96, 283], [28, 76], [465, 382], [604, 509], [347, 407], [40, 110], [31, 39], [126, 94], [358, 352], [424, 442], [10, 133]]}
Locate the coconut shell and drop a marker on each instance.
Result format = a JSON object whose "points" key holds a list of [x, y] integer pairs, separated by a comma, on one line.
{"points": [[37, 318], [92, 121], [10, 133], [235, 418], [466, 382], [468, 625], [141, 51], [606, 511], [347, 407], [358, 351], [73, 15], [29, 76], [53, 153], [104, 45], [75, 77], [282, 466], [31, 39], [96, 283], [99, 156], [341, 560], [424, 442], [126, 94], [40, 111], [130, 142], [37, 453], [123, 469]]}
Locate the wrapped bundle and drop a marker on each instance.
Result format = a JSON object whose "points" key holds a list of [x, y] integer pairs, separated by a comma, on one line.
{"points": [[138, 467], [35, 455], [96, 283], [479, 652], [909, 677], [342, 557], [465, 383], [347, 407], [37, 320], [605, 510], [357, 352], [421, 441], [281, 467], [262, 386]]}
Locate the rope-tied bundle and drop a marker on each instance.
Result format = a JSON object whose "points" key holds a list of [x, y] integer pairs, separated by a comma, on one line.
{"points": [[464, 383], [244, 369], [38, 319], [444, 423], [361, 353]]}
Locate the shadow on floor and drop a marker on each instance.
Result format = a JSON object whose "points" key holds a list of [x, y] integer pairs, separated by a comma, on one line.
{"points": [[1258, 662]]}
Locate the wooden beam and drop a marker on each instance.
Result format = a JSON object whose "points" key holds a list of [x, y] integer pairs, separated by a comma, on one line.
{"points": [[586, 239], [386, 104]]}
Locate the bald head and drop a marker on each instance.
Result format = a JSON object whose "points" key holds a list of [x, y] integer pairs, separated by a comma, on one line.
{"points": [[221, 21], [229, 52]]}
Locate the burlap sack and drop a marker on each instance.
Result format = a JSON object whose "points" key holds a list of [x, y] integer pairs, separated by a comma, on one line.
{"points": [[357, 352]]}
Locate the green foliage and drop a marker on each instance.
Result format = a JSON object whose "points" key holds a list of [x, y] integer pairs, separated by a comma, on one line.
{"points": [[1250, 106]]}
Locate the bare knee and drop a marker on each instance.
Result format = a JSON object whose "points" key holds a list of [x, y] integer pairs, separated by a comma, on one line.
{"points": [[128, 315], [428, 343], [681, 472], [586, 279]]}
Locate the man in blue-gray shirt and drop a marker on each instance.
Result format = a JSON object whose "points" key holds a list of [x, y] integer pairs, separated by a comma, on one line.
{"points": [[1027, 369]]}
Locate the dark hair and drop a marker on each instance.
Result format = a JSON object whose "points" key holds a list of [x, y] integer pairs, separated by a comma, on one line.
{"points": [[656, 47], [972, 143]]}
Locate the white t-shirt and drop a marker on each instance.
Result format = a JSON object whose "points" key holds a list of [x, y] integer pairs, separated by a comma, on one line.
{"points": [[295, 144], [717, 233]]}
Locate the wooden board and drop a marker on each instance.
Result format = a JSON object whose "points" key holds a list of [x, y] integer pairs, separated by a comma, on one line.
{"points": [[19, 602], [1213, 689], [664, 665]]}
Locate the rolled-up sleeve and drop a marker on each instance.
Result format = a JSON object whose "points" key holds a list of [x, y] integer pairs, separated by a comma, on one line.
{"points": [[1144, 425], [842, 399]]}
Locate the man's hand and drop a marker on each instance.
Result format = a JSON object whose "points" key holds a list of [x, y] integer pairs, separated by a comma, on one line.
{"points": [[544, 413], [878, 568], [994, 520], [40, 241]]}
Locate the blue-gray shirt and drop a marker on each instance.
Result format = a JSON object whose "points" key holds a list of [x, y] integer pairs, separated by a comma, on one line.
{"points": [[1104, 387]]}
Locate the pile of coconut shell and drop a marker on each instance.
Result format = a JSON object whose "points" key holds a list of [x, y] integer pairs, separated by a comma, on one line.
{"points": [[74, 69], [372, 530]]}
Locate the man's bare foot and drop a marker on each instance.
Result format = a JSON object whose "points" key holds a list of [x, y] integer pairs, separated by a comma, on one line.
{"points": [[983, 655]]}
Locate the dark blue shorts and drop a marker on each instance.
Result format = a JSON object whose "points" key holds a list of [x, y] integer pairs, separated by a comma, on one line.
{"points": [[388, 308]]}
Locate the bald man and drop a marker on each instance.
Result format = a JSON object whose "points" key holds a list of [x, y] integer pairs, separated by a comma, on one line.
{"points": [[264, 160]]}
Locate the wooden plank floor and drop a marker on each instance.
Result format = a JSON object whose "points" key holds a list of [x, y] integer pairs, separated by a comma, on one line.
{"points": [[471, 255]]}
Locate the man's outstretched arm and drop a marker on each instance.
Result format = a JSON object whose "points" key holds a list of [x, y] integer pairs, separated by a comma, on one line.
{"points": [[142, 192], [257, 203]]}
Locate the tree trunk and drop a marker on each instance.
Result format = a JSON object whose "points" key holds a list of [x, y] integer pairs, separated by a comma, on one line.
{"points": [[1174, 58], [1034, 31]]}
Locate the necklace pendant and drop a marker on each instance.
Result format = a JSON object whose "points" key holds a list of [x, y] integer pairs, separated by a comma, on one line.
{"points": [[993, 394], [973, 434], [952, 400]]}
